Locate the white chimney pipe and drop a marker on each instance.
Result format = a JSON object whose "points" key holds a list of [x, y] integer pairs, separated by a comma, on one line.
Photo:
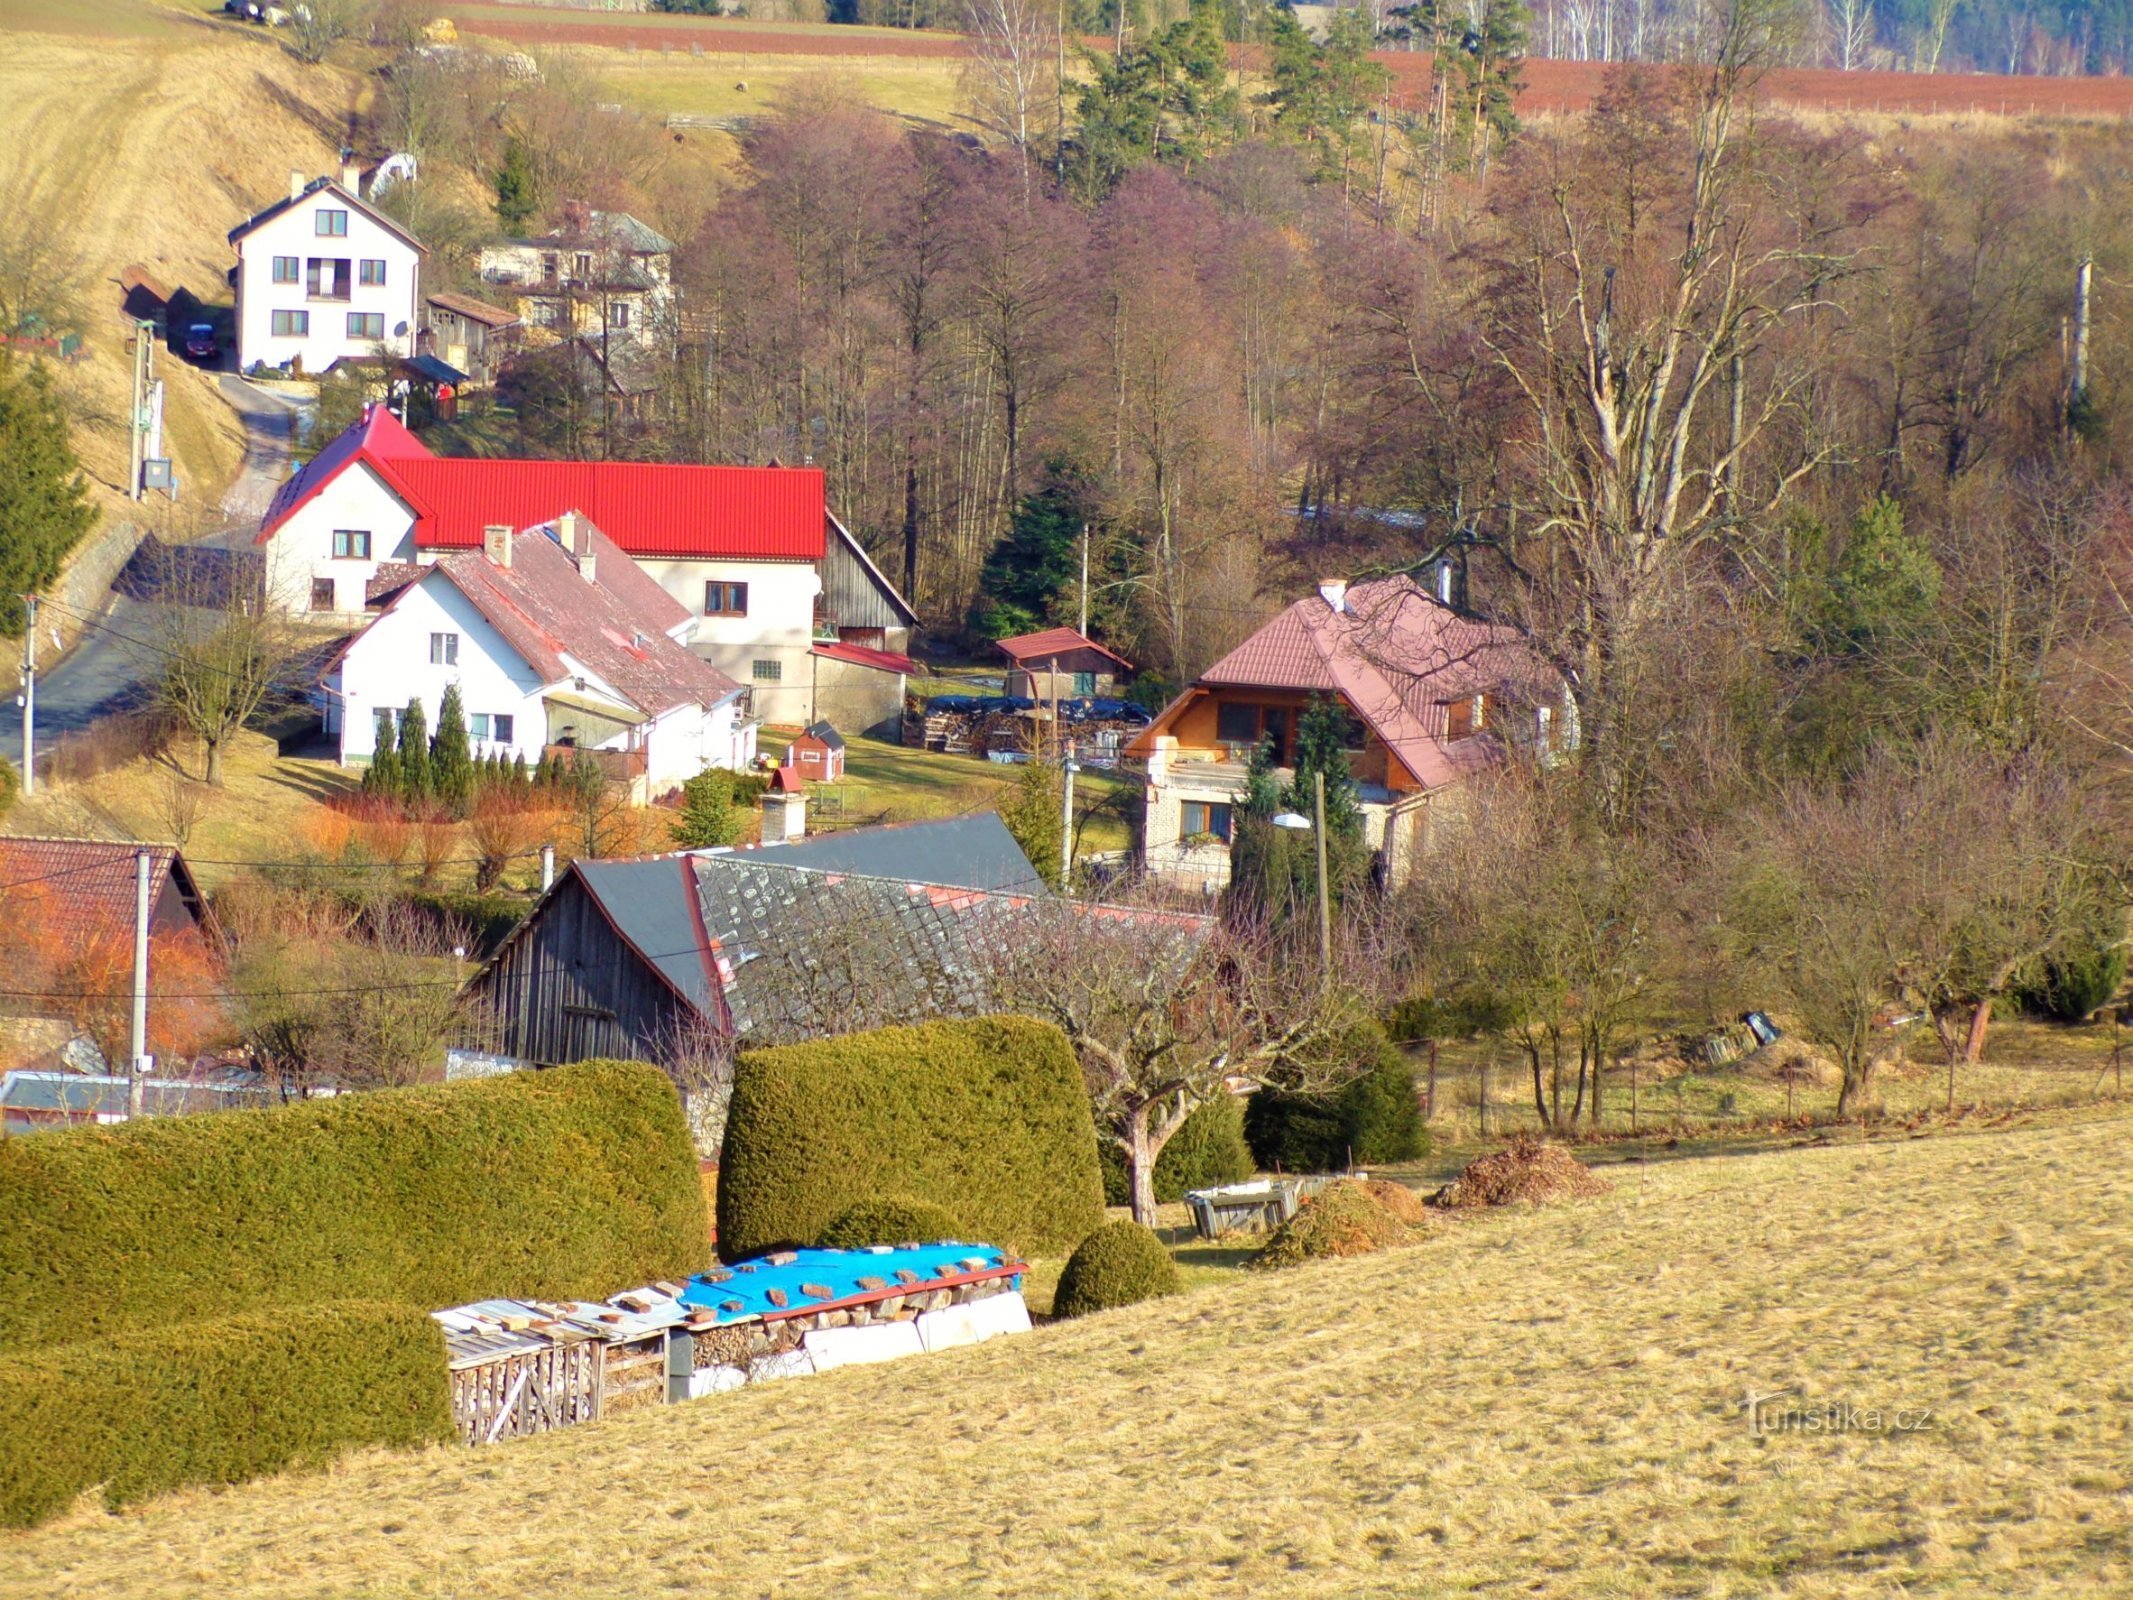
{"points": [[296, 186], [1444, 582], [352, 178], [1334, 591], [496, 544]]}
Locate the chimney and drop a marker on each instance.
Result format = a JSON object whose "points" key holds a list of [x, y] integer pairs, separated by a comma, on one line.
{"points": [[784, 816], [1444, 581], [574, 533], [1334, 591], [577, 217], [496, 544], [296, 186], [352, 178]]}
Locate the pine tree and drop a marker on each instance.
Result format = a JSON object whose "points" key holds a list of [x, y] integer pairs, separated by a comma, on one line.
{"points": [[1032, 571], [517, 197], [384, 780], [417, 781], [707, 816], [1324, 735], [451, 759], [44, 502]]}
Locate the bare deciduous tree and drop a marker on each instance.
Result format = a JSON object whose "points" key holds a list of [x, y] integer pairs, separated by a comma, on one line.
{"points": [[217, 648]]}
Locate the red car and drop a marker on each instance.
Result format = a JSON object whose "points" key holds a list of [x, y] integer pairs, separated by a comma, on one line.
{"points": [[201, 343]]}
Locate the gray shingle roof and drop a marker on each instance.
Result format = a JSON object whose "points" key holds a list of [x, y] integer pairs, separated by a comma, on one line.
{"points": [[973, 852], [647, 899]]}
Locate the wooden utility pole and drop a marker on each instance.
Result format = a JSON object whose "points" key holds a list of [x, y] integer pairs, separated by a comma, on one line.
{"points": [[29, 698], [141, 870], [1325, 908]]}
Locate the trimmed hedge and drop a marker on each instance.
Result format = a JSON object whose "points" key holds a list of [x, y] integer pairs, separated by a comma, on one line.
{"points": [[571, 1183], [893, 1219], [1370, 1121], [215, 1402], [986, 1118], [1120, 1264], [1208, 1151]]}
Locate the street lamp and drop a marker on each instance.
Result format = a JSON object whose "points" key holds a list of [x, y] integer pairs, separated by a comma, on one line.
{"points": [[1296, 822]]}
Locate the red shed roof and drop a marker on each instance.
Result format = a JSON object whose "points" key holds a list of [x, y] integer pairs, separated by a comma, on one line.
{"points": [[648, 508], [864, 655], [1026, 648]]}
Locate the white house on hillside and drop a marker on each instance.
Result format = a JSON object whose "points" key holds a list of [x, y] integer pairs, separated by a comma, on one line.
{"points": [[558, 641], [784, 599], [323, 275]]}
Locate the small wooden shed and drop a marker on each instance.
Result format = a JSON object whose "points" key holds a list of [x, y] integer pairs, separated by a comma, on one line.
{"points": [[1061, 664], [817, 754]]}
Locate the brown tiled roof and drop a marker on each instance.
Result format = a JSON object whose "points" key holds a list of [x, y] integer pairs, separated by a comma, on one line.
{"points": [[473, 310], [1398, 658], [1037, 648], [87, 885], [389, 579], [615, 626]]}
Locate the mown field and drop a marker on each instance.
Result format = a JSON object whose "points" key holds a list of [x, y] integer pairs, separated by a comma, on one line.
{"points": [[1545, 1403]]}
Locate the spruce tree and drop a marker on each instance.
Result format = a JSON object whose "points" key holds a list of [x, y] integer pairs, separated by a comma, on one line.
{"points": [[517, 197], [1033, 570], [384, 780], [451, 758], [417, 781], [707, 816], [44, 502], [520, 778]]}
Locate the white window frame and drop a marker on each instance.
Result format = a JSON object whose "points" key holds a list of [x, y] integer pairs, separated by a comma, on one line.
{"points": [[444, 649]]}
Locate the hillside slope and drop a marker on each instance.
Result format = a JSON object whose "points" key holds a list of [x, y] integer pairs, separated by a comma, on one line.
{"points": [[136, 136], [1549, 1403]]}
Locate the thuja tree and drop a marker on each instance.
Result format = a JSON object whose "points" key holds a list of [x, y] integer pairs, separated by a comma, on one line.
{"points": [[451, 758]]}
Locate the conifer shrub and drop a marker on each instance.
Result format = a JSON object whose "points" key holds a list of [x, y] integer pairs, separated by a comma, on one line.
{"points": [[1371, 1120], [215, 1402], [567, 1184], [891, 1219], [985, 1117], [1120, 1264]]}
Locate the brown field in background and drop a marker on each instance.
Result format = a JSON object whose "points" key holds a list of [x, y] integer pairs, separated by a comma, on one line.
{"points": [[1550, 86]]}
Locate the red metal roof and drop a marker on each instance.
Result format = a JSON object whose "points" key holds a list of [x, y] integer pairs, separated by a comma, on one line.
{"points": [[861, 655], [648, 508], [1041, 647]]}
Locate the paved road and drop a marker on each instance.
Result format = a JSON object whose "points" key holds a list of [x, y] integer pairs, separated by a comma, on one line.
{"points": [[104, 672]]}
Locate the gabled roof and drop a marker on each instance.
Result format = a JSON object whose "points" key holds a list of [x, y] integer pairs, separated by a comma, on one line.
{"points": [[616, 227], [317, 186], [614, 626], [87, 886], [1034, 649], [1396, 656], [823, 734], [465, 305], [651, 903], [648, 508]]}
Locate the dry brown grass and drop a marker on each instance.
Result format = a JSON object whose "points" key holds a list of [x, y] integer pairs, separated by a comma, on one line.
{"points": [[1539, 1402]]}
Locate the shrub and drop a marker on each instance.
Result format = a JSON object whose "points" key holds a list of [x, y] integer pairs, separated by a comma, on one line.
{"points": [[1120, 1264], [893, 1219], [10, 786], [1370, 1121], [1208, 1151], [215, 1402], [1343, 1219], [985, 1117], [565, 1184], [2076, 982]]}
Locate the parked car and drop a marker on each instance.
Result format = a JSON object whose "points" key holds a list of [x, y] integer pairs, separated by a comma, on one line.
{"points": [[201, 344]]}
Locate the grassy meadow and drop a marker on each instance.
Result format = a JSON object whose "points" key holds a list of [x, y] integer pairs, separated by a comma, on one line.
{"points": [[1546, 1402]]}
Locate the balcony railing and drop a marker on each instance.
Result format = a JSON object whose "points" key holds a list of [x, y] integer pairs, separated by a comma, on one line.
{"points": [[619, 766]]}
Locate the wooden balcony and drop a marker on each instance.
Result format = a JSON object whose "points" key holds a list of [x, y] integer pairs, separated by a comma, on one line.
{"points": [[619, 766]]}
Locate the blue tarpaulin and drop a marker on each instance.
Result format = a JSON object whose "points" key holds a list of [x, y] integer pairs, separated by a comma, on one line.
{"points": [[743, 1290]]}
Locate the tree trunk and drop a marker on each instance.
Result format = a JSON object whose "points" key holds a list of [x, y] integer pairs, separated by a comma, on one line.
{"points": [[1980, 1020], [1140, 1167], [214, 762], [1858, 1090]]}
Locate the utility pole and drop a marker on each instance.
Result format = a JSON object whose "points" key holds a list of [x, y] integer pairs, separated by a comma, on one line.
{"points": [[1066, 830], [1083, 630], [1325, 905], [547, 867], [29, 698], [140, 982], [143, 352]]}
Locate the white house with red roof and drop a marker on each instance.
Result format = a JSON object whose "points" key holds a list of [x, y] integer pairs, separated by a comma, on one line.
{"points": [[1433, 697], [782, 597], [557, 641], [323, 275]]}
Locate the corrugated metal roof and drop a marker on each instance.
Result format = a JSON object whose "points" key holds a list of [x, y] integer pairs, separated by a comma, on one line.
{"points": [[647, 508], [742, 1292], [861, 655], [1037, 648], [648, 899], [973, 852]]}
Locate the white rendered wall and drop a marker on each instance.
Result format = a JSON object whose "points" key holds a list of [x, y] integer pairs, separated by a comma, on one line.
{"points": [[295, 233]]}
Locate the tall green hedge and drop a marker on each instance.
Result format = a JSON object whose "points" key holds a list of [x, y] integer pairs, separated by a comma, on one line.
{"points": [[215, 1402], [575, 1182], [1207, 1152], [986, 1118]]}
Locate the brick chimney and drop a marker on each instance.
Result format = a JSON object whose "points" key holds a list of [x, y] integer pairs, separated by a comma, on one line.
{"points": [[577, 216], [1334, 591], [574, 533], [496, 544]]}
